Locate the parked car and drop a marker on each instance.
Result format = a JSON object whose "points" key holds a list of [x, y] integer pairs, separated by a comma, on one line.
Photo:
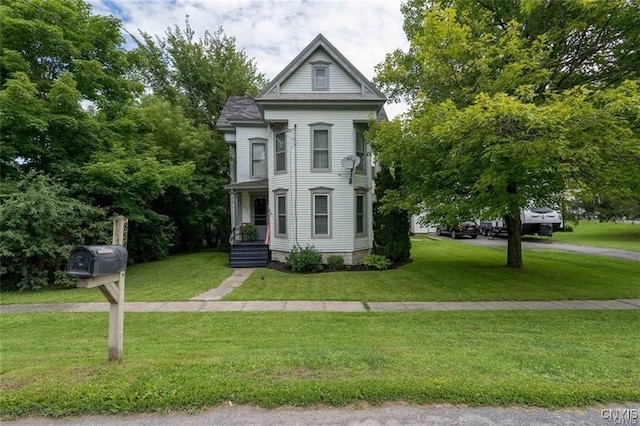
{"points": [[467, 228]]}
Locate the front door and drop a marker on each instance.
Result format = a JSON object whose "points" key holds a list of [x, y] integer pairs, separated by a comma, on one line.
{"points": [[259, 215]]}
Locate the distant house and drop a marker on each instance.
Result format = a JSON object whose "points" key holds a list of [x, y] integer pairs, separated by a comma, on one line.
{"points": [[294, 149]]}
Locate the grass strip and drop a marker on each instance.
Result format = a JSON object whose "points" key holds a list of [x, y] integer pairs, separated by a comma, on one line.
{"points": [[447, 270], [55, 364], [178, 277], [617, 235]]}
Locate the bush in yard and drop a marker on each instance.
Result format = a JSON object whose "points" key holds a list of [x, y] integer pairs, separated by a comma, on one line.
{"points": [[390, 226], [335, 262], [305, 259], [377, 261], [249, 232], [41, 224]]}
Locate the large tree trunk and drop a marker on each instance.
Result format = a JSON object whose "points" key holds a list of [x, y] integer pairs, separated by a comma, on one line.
{"points": [[514, 240]]}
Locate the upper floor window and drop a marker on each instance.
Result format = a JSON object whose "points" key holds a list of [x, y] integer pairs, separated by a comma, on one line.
{"points": [[321, 147], [280, 152], [320, 76], [232, 166], [258, 158], [360, 151]]}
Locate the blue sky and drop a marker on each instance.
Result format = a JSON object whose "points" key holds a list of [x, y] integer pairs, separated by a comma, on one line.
{"points": [[273, 32]]}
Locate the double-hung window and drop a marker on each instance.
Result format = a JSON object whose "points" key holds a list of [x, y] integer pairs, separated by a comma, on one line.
{"points": [[321, 147], [321, 212], [233, 165], [281, 214], [280, 152], [258, 158], [320, 76], [361, 215], [360, 151]]}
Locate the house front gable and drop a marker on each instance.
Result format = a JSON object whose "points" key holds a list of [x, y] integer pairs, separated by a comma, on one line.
{"points": [[320, 74]]}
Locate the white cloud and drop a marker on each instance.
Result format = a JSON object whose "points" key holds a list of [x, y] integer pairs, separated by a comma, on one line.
{"points": [[273, 32]]}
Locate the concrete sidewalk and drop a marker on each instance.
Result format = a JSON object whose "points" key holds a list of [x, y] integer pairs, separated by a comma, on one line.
{"points": [[328, 306]]}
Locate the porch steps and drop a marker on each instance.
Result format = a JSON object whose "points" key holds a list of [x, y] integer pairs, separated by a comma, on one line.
{"points": [[249, 255]]}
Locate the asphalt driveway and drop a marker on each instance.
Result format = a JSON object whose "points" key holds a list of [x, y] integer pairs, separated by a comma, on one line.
{"points": [[543, 244]]}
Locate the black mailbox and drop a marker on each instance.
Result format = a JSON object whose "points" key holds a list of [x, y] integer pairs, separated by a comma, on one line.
{"points": [[94, 261]]}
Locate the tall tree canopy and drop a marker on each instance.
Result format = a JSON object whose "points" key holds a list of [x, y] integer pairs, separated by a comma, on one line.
{"points": [[54, 56], [76, 126], [514, 103], [198, 75]]}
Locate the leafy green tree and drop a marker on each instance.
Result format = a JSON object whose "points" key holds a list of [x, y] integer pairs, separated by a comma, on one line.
{"points": [[503, 112], [141, 168], [198, 75], [55, 55], [391, 225], [41, 224]]}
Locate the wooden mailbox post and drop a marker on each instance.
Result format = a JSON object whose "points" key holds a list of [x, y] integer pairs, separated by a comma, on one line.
{"points": [[112, 286]]}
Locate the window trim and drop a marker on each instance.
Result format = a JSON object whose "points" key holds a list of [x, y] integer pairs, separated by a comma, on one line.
{"points": [[256, 141], [233, 163], [316, 65], [361, 168], [322, 192], [320, 126], [277, 195], [276, 152], [363, 195]]}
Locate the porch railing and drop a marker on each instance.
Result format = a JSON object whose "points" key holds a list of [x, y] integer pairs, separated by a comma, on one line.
{"points": [[233, 236]]}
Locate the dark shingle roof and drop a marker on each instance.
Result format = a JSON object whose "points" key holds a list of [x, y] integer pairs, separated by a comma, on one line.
{"points": [[239, 108], [382, 115], [253, 184]]}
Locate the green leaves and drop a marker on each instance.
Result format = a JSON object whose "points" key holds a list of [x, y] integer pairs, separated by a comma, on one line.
{"points": [[508, 110], [41, 224]]}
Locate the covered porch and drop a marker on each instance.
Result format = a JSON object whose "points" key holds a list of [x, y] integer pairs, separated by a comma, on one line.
{"points": [[249, 237]]}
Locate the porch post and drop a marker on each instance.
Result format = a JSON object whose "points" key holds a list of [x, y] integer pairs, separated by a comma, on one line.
{"points": [[233, 201]]}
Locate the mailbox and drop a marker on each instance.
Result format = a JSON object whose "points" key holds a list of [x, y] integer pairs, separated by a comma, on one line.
{"points": [[94, 261]]}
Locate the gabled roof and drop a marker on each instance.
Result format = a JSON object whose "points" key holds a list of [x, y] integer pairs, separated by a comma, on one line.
{"points": [[239, 109], [369, 92]]}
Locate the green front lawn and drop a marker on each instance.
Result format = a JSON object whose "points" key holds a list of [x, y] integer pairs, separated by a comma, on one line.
{"points": [[441, 271], [177, 277], [623, 236], [447, 270], [55, 364]]}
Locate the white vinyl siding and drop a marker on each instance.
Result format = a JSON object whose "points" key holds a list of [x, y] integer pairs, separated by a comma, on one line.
{"points": [[280, 160], [258, 158], [300, 180]]}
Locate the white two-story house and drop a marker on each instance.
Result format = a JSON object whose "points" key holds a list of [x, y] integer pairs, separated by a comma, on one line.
{"points": [[301, 170]]}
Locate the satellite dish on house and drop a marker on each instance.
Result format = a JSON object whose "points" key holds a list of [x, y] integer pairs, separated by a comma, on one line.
{"points": [[350, 162]]}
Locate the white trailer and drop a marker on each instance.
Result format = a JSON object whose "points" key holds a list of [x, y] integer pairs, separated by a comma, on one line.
{"points": [[542, 221]]}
